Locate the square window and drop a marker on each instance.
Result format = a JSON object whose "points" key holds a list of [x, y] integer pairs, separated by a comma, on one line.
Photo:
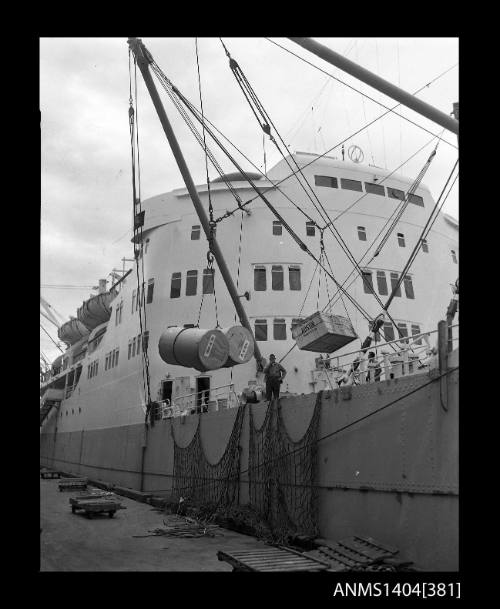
{"points": [[415, 330], [425, 246], [277, 278], [259, 279], [195, 232], [191, 283], [454, 256], [310, 229], [361, 233], [151, 287], [260, 329], [394, 283], [408, 287], [277, 228], [367, 282], [388, 332], [279, 329], [294, 277], [401, 240], [382, 283], [175, 285]]}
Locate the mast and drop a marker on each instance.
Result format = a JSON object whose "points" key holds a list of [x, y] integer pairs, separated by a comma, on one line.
{"points": [[378, 83], [144, 58]]}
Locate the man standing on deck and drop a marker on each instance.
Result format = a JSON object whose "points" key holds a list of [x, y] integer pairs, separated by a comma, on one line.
{"points": [[275, 373]]}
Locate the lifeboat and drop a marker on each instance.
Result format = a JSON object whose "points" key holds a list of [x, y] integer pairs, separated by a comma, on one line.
{"points": [[96, 310], [72, 331]]}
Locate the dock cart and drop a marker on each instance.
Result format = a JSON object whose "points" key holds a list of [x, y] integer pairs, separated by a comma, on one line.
{"points": [[95, 506], [271, 559]]}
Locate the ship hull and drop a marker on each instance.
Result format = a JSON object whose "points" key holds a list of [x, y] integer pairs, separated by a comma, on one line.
{"points": [[391, 475]]}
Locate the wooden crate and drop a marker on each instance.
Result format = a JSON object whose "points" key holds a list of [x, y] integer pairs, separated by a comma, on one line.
{"points": [[323, 333]]}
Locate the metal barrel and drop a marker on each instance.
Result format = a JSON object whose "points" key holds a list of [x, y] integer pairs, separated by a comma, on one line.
{"points": [[241, 345], [194, 348]]}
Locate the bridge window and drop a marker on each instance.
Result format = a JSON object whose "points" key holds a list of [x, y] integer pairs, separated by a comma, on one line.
{"points": [[394, 281], [146, 246], [408, 287], [175, 285], [295, 322], [259, 279], [294, 277], [129, 349], [195, 232], [277, 227], [134, 294], [260, 329], [151, 287], [310, 228], [425, 246], [367, 282], [382, 283], [416, 199], [351, 184], [138, 345], [133, 347], [375, 189], [361, 233], [401, 240], [326, 181], [394, 193], [208, 281], [277, 278], [279, 329]]}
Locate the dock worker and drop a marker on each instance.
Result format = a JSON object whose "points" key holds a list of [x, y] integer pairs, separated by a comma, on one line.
{"points": [[274, 375]]}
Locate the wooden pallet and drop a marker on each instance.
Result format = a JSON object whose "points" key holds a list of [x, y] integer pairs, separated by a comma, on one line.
{"points": [[95, 506], [271, 560], [46, 473], [72, 483]]}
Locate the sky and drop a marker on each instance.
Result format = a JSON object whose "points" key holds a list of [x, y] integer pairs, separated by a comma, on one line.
{"points": [[86, 184]]}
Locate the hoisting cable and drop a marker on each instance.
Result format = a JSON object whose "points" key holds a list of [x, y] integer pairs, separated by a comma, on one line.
{"points": [[405, 202], [137, 230], [422, 237], [56, 344], [265, 124], [371, 245], [301, 244]]}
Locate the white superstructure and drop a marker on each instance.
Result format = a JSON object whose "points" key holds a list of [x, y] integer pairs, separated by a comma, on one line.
{"points": [[267, 263]]}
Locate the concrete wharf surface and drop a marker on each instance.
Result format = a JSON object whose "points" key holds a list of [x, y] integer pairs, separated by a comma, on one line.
{"points": [[72, 542]]}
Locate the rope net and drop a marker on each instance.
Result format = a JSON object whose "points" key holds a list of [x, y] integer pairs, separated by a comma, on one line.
{"points": [[198, 480], [282, 474]]}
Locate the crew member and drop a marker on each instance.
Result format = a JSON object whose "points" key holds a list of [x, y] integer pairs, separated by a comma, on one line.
{"points": [[274, 375]]}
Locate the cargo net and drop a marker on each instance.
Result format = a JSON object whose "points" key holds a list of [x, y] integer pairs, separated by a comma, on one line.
{"points": [[198, 481], [282, 474]]}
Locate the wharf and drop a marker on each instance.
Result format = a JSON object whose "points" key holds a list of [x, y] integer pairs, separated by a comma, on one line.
{"points": [[70, 542]]}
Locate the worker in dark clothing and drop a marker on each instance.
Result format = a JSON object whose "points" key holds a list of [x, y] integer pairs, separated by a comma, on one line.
{"points": [[275, 373]]}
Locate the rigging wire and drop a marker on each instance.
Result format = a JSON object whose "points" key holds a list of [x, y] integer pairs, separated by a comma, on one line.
{"points": [[367, 96], [56, 344], [265, 123]]}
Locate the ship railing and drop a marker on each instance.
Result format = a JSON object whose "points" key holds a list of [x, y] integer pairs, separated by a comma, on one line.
{"points": [[213, 400], [411, 356]]}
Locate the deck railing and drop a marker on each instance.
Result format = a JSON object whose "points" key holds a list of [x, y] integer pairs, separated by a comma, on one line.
{"points": [[213, 400]]}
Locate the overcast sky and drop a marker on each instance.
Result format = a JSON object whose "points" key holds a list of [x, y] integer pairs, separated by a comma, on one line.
{"points": [[86, 199]]}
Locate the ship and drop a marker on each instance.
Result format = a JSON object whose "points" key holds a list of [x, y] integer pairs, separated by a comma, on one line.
{"points": [[363, 439]]}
